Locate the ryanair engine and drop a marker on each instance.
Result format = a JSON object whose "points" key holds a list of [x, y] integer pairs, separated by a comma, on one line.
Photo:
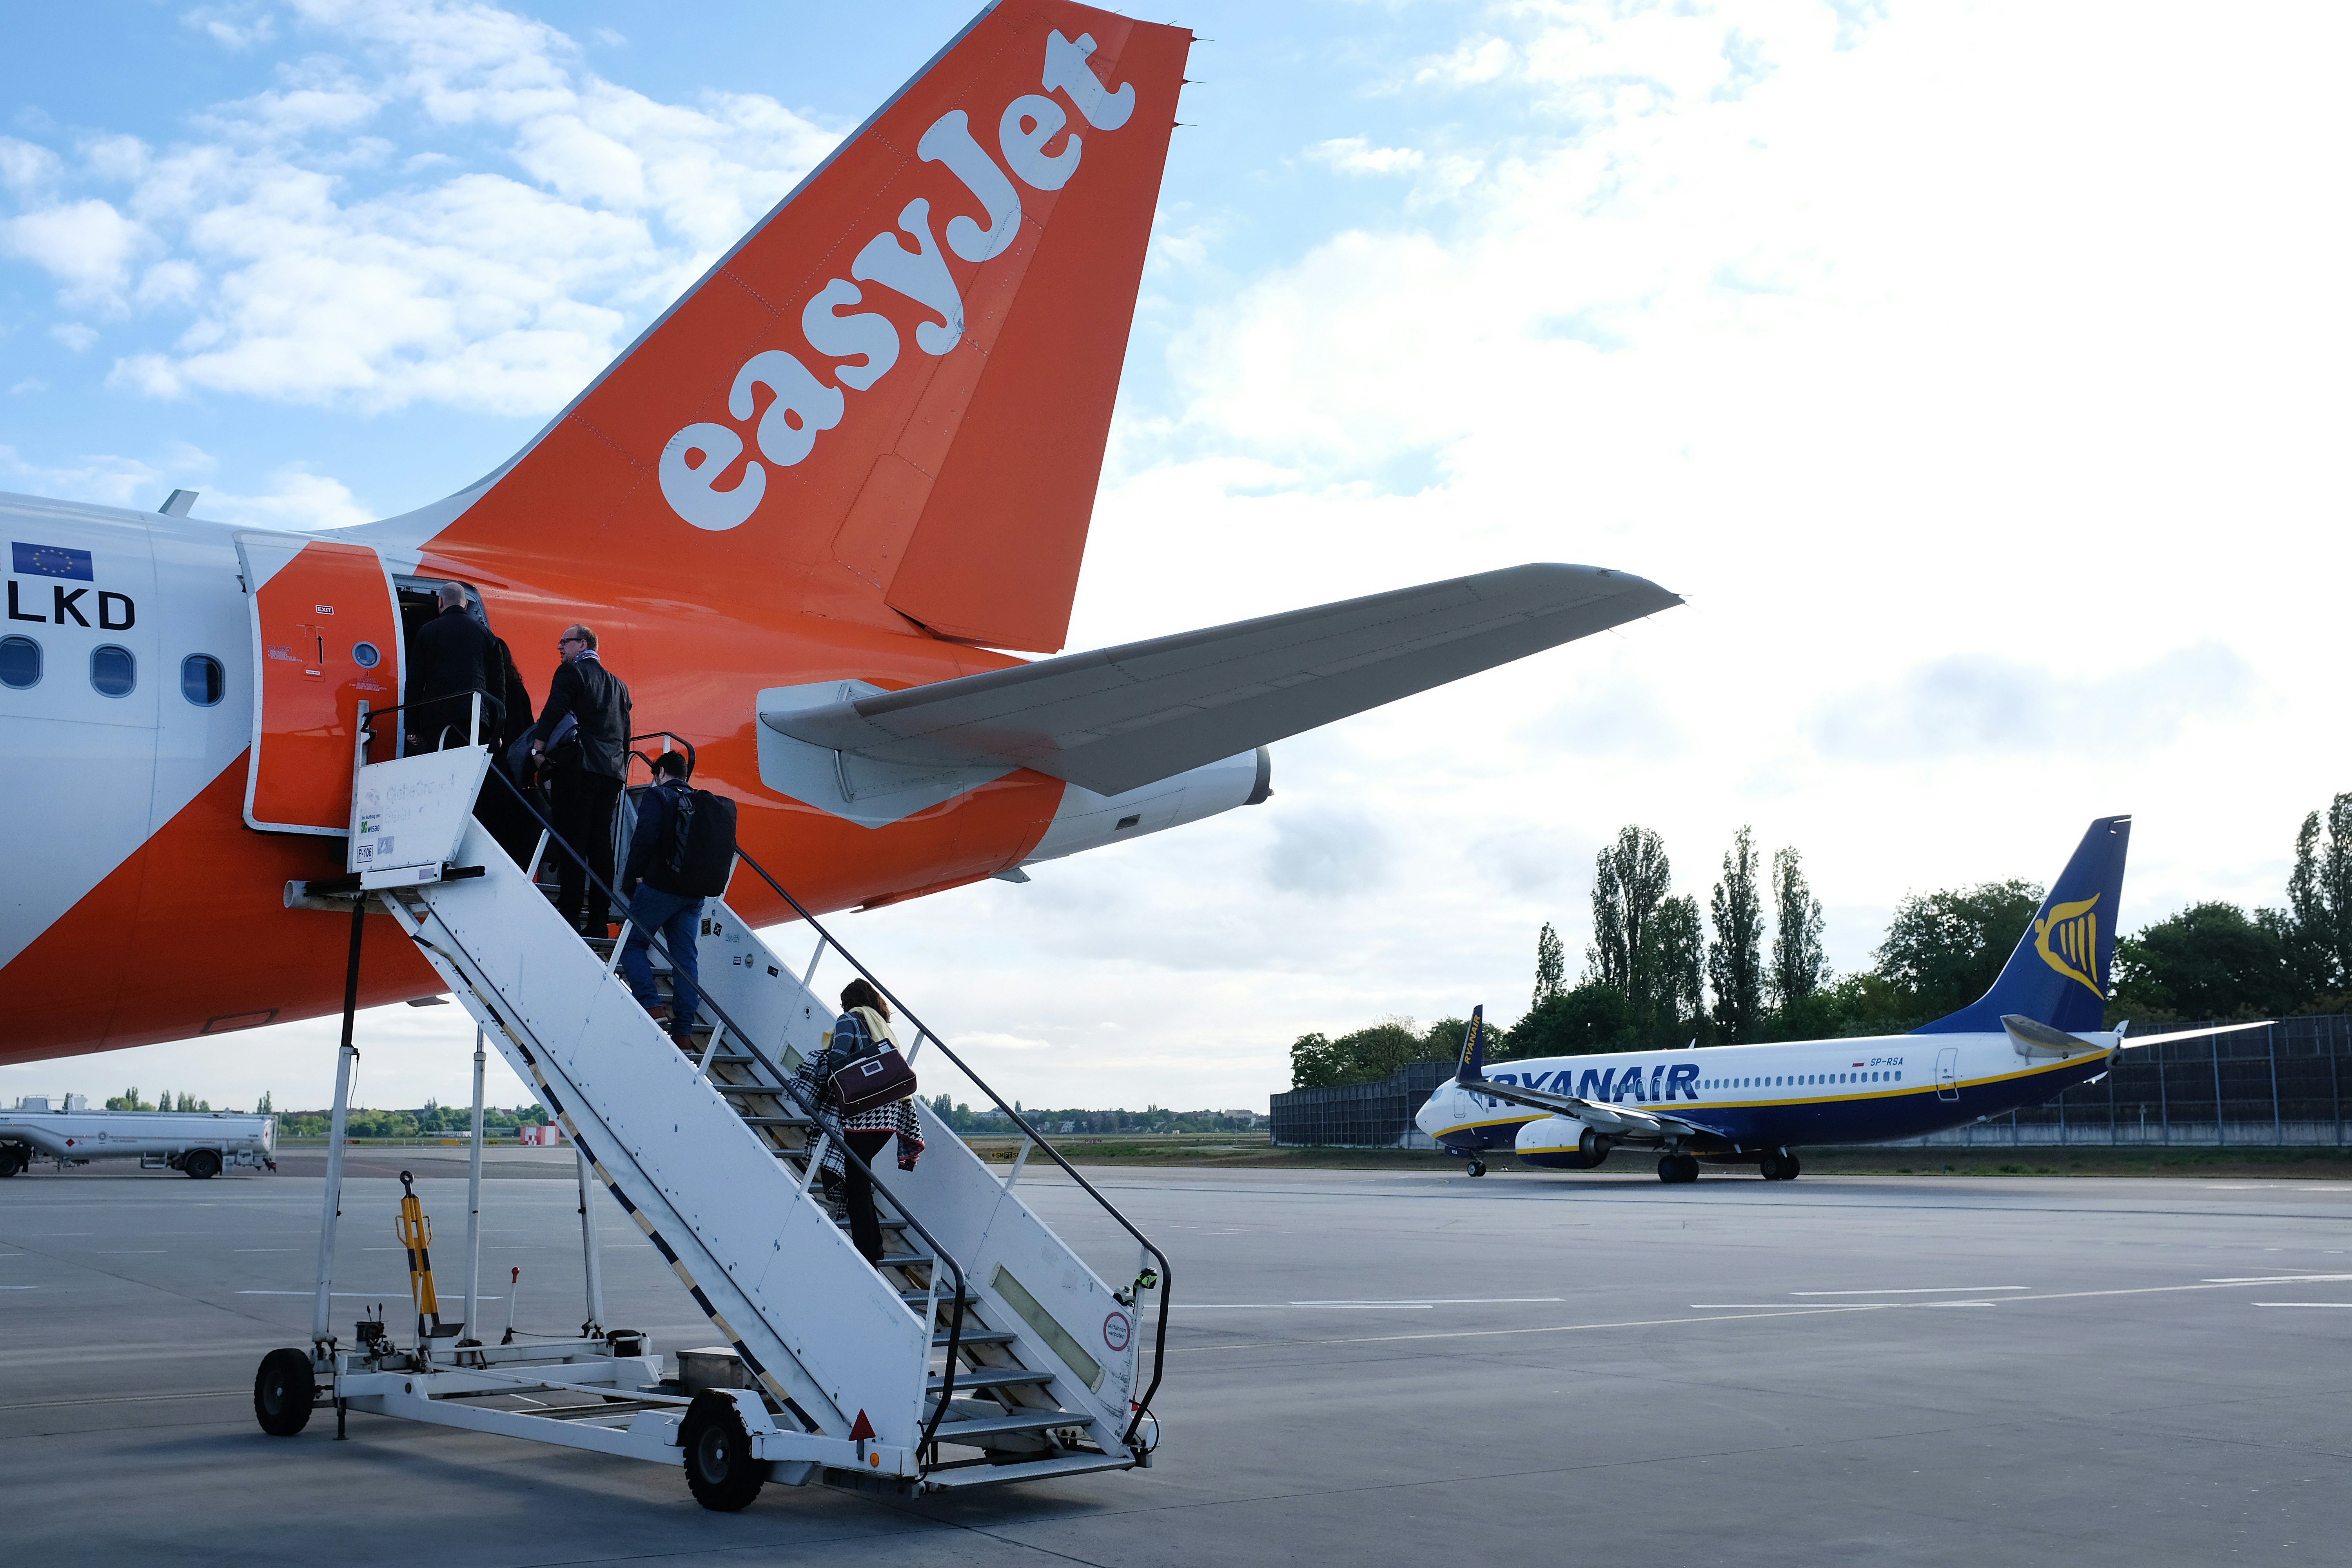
{"points": [[1561, 1143]]}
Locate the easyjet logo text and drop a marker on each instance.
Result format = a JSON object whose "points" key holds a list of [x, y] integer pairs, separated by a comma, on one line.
{"points": [[909, 262]]}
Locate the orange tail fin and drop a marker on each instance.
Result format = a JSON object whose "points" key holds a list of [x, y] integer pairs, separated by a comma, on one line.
{"points": [[893, 395]]}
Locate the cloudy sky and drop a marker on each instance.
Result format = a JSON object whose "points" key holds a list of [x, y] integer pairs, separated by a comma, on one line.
{"points": [[1973, 370]]}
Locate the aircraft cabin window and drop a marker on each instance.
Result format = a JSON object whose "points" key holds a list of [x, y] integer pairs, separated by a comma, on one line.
{"points": [[365, 655], [202, 680], [114, 671], [20, 662]]}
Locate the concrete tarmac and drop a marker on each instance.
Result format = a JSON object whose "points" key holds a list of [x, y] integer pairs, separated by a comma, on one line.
{"points": [[1363, 1367]]}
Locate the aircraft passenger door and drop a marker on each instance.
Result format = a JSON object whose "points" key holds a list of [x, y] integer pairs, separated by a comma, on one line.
{"points": [[326, 637], [1948, 1073]]}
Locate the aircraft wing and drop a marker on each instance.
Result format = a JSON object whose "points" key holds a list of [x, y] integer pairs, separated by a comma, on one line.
{"points": [[1592, 1113], [1119, 718]]}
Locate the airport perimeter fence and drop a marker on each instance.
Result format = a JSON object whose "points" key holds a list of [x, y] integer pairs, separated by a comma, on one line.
{"points": [[1360, 1115], [2285, 1085]]}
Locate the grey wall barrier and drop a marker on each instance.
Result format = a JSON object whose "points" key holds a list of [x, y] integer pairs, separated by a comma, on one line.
{"points": [[2282, 1085], [1360, 1115]]}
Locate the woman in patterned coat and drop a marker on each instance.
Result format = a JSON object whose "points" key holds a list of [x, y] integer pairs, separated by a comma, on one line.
{"points": [[863, 1028]]}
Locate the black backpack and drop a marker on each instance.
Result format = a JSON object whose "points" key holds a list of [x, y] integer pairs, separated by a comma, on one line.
{"points": [[700, 854]]}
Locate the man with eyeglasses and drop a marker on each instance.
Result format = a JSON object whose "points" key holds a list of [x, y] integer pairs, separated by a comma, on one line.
{"points": [[583, 733]]}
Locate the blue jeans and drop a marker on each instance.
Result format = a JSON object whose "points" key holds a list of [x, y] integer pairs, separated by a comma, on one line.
{"points": [[675, 915]]}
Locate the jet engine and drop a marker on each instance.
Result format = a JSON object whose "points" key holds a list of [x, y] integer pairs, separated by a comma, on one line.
{"points": [[1561, 1143]]}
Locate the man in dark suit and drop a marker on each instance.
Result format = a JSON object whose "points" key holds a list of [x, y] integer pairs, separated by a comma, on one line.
{"points": [[450, 659], [583, 732]]}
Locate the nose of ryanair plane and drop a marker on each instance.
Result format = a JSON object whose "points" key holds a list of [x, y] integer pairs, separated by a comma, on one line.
{"points": [[1435, 1113]]}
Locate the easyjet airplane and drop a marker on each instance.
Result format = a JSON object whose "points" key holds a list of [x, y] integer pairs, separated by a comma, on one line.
{"points": [[804, 510]]}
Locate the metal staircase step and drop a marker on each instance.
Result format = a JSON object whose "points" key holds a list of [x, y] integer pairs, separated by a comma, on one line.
{"points": [[1011, 1421], [974, 1337], [779, 1122], [915, 1298], [970, 1381], [959, 1477]]}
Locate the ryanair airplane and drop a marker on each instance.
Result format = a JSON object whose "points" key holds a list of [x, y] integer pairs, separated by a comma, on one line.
{"points": [[2034, 1034]]}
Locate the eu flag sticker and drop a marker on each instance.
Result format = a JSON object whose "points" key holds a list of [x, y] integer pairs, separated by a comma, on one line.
{"points": [[51, 561]]}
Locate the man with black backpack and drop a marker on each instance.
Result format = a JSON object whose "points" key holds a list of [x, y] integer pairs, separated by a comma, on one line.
{"points": [[682, 852]]}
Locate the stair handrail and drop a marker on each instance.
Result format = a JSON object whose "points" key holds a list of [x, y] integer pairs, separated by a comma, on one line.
{"points": [[370, 715], [1160, 1342], [790, 1085]]}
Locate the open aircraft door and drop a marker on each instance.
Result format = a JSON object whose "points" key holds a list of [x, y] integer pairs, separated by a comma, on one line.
{"points": [[326, 637]]}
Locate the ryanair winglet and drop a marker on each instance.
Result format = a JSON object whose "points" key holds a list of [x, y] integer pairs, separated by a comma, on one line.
{"points": [[1474, 1048], [2058, 975]]}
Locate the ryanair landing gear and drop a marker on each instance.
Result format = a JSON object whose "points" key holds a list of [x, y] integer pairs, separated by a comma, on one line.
{"points": [[1675, 1169], [1477, 1167], [1782, 1167]]}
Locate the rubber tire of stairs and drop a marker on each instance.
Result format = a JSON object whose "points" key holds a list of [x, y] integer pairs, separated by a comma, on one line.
{"points": [[282, 1392], [719, 1470]]}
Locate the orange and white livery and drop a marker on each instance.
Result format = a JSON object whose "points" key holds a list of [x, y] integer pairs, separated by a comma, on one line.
{"points": [[803, 511]]}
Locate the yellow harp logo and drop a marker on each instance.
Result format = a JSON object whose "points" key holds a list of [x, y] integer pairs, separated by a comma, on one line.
{"points": [[2067, 938]]}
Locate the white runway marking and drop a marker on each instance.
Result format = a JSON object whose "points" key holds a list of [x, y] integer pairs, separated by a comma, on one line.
{"points": [[2282, 1279], [1917, 1291], [1430, 1305], [2296, 1303]]}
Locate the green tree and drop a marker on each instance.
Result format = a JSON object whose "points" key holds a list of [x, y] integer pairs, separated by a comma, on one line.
{"points": [[1674, 1007], [261, 1106], [1441, 1041], [127, 1101], [2320, 901], [1944, 949], [1593, 1018], [1551, 966], [2209, 961], [1630, 882], [1735, 959], [1798, 967], [1862, 1003]]}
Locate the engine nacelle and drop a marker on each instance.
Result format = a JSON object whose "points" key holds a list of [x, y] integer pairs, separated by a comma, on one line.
{"points": [[1561, 1143]]}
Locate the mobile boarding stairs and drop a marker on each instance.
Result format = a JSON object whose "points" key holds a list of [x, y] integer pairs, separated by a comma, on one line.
{"points": [[981, 1351]]}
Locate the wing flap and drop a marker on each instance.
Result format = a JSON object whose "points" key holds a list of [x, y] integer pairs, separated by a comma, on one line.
{"points": [[1119, 718]]}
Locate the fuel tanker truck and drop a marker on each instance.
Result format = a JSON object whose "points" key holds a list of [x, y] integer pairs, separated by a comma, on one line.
{"points": [[200, 1143]]}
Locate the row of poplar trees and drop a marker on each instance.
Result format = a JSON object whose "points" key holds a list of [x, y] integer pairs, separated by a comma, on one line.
{"points": [[1656, 958]]}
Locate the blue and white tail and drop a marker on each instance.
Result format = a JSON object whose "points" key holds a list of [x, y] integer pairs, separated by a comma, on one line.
{"points": [[2058, 975]]}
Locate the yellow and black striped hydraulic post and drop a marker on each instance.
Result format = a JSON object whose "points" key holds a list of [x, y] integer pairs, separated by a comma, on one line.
{"points": [[416, 1233]]}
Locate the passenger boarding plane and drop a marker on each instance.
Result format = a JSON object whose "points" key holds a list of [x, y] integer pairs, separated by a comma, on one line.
{"points": [[2034, 1034], [803, 511]]}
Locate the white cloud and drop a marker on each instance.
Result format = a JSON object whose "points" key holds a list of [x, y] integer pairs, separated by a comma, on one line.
{"points": [[297, 498], [26, 167], [1355, 155], [1472, 63], [1971, 705], [105, 477], [285, 263], [292, 498], [87, 245], [30, 384], [235, 27], [75, 336]]}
